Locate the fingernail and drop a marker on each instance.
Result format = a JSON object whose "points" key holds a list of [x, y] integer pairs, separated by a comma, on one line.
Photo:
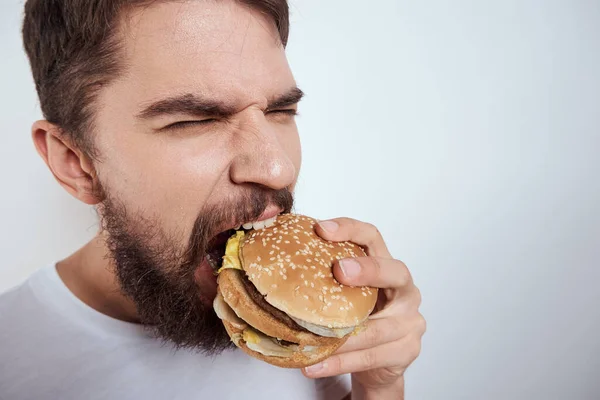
{"points": [[329, 226], [350, 268], [313, 369]]}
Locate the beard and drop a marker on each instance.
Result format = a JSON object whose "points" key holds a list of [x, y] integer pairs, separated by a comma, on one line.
{"points": [[157, 270]]}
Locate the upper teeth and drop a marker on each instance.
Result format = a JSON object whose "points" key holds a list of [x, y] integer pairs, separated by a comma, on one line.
{"points": [[260, 224]]}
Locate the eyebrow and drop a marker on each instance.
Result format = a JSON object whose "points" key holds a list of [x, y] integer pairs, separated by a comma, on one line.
{"points": [[191, 104]]}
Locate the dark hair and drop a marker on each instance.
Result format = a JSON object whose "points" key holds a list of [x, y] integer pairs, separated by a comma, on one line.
{"points": [[73, 48]]}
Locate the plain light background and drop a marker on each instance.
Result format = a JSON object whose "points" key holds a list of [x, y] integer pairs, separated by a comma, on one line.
{"points": [[468, 131]]}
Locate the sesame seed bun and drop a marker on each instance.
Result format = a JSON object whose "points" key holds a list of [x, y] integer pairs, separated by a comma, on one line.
{"points": [[292, 267]]}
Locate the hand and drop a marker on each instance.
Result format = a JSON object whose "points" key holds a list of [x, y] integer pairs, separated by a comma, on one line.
{"points": [[378, 356]]}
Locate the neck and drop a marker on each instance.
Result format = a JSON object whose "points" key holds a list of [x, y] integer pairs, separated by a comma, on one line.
{"points": [[89, 274]]}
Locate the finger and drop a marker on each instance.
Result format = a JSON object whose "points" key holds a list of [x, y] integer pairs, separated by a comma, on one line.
{"points": [[398, 354], [385, 273], [376, 333], [382, 331], [361, 233]]}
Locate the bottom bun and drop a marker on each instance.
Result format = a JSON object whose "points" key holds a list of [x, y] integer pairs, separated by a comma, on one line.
{"points": [[298, 359]]}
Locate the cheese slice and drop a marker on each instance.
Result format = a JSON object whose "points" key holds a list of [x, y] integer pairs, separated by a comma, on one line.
{"points": [[231, 259]]}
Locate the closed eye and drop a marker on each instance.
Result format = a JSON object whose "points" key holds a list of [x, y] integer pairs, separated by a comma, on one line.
{"points": [[185, 124], [284, 112]]}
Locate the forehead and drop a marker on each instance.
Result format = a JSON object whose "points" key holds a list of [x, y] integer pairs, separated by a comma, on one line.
{"points": [[219, 49]]}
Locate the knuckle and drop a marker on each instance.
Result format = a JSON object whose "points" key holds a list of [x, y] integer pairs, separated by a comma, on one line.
{"points": [[348, 223], [373, 335], [372, 228], [418, 297], [409, 353], [403, 274], [373, 233], [369, 359], [334, 364], [421, 325], [415, 351], [375, 265]]}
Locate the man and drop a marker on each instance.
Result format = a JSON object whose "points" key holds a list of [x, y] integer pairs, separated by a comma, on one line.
{"points": [[176, 120]]}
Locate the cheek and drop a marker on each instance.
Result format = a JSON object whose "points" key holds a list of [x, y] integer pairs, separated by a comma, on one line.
{"points": [[162, 178]]}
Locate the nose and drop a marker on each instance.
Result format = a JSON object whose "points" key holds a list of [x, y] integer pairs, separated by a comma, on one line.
{"points": [[261, 158]]}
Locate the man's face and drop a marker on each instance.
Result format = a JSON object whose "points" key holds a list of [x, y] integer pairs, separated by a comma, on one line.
{"points": [[195, 138]]}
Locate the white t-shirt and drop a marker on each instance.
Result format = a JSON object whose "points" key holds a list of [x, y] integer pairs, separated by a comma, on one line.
{"points": [[53, 346]]}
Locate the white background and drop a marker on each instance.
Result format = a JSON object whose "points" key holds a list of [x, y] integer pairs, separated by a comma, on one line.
{"points": [[468, 131]]}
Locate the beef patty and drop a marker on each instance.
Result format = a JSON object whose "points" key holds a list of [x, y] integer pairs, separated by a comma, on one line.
{"points": [[260, 301]]}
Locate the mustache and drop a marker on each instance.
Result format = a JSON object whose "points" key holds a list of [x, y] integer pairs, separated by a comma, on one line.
{"points": [[248, 206]]}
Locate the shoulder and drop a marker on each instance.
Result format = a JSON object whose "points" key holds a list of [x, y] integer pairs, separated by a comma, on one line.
{"points": [[23, 311], [21, 298], [13, 301]]}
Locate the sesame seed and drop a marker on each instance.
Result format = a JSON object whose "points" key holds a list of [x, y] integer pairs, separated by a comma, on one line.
{"points": [[306, 297], [364, 294]]}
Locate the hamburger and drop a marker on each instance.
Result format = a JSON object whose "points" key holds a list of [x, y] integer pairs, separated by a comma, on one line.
{"points": [[277, 296]]}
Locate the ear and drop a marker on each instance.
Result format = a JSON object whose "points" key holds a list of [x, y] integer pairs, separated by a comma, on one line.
{"points": [[71, 167]]}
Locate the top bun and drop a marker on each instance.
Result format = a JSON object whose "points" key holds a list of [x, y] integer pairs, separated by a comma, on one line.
{"points": [[292, 267]]}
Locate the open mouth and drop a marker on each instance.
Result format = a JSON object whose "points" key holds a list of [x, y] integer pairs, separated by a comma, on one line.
{"points": [[216, 247]]}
